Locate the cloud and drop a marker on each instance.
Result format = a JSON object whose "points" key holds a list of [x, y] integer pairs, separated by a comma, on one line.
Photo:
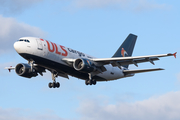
{"points": [[164, 107], [146, 5], [137, 5], [24, 114], [11, 30], [16, 6]]}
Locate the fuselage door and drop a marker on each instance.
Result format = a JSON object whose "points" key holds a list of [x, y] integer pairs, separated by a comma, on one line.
{"points": [[39, 44]]}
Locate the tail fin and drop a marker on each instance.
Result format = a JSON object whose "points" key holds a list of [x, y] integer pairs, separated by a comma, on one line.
{"points": [[127, 47]]}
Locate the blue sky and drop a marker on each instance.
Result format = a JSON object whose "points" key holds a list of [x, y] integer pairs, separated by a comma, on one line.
{"points": [[95, 27]]}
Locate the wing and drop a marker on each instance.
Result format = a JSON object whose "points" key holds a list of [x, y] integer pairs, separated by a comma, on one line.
{"points": [[120, 61]]}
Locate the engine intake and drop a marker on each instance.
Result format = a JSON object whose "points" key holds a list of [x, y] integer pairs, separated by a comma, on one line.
{"points": [[84, 65], [24, 70]]}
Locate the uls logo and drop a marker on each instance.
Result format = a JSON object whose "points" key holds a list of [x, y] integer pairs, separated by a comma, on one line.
{"points": [[123, 52]]}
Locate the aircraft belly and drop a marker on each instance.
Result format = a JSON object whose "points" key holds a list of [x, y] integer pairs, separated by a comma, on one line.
{"points": [[112, 73]]}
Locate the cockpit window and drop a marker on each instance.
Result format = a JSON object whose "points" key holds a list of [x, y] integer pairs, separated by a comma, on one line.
{"points": [[25, 40]]}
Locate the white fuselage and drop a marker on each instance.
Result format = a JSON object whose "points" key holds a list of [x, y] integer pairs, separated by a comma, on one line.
{"points": [[39, 50]]}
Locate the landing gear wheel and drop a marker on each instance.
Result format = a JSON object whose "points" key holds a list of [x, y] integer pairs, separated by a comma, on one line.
{"points": [[94, 82], [53, 84], [87, 82], [90, 82], [57, 84], [50, 85]]}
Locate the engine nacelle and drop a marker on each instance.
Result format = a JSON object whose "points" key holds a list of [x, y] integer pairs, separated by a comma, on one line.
{"points": [[24, 70], [84, 65]]}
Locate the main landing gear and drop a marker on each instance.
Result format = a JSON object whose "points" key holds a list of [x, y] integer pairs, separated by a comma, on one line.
{"points": [[54, 84], [90, 81]]}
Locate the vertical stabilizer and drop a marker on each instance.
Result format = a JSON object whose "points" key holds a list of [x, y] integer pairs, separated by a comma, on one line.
{"points": [[127, 47]]}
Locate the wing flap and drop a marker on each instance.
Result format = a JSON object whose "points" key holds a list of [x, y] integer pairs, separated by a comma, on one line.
{"points": [[63, 75], [141, 70], [128, 62]]}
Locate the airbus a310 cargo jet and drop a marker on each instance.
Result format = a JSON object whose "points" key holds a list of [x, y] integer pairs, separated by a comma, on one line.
{"points": [[63, 61]]}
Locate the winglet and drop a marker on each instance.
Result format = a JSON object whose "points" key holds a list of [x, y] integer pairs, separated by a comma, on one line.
{"points": [[175, 54]]}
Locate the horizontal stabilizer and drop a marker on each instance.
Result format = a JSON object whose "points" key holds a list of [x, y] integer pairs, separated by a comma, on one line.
{"points": [[10, 68], [141, 70]]}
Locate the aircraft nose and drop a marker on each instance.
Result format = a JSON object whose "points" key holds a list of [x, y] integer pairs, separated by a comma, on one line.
{"points": [[17, 47]]}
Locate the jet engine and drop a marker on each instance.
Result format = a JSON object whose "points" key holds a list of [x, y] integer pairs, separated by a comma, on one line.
{"points": [[84, 65], [25, 70]]}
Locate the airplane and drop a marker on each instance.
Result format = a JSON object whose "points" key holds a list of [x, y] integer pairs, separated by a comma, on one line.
{"points": [[62, 61]]}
